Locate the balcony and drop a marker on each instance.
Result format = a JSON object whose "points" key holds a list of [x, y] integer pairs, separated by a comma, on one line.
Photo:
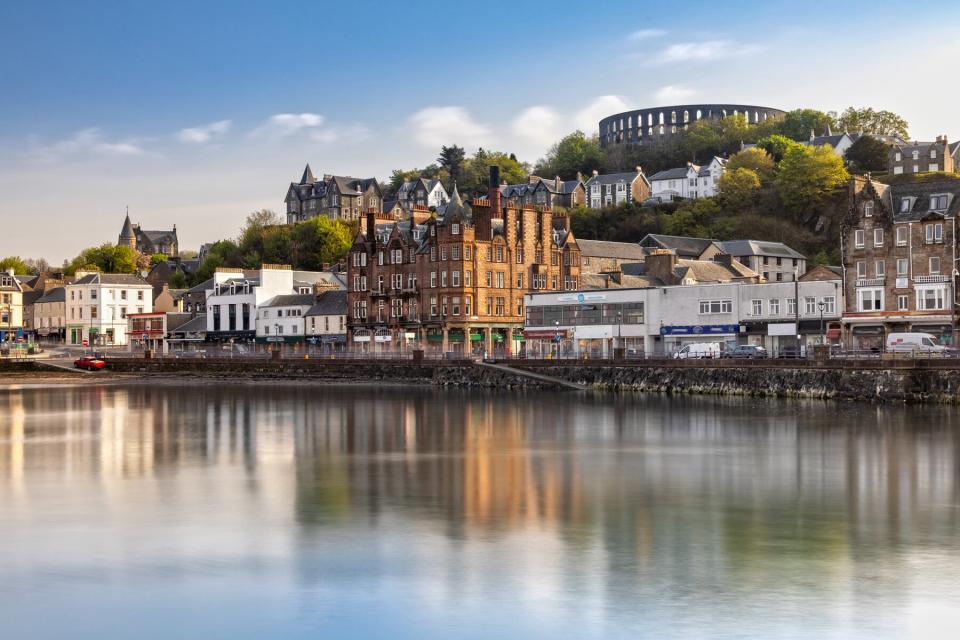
{"points": [[870, 282], [379, 293], [929, 279]]}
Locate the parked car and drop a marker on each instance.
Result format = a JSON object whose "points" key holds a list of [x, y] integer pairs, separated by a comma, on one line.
{"points": [[914, 343], [699, 350], [748, 351], [89, 363]]}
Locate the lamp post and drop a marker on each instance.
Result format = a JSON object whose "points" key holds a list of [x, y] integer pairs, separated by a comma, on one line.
{"points": [[823, 337], [556, 338]]}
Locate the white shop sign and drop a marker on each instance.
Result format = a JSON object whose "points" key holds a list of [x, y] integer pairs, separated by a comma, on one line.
{"points": [[782, 329]]}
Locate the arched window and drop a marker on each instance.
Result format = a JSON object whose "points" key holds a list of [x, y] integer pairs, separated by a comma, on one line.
{"points": [[649, 119], [673, 117], [686, 116], [661, 117], [764, 116], [621, 124], [756, 117], [649, 131], [699, 114], [629, 122], [673, 128], [868, 209], [661, 129]]}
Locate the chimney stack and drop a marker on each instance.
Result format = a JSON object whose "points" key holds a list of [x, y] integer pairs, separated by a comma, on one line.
{"points": [[371, 226], [494, 191]]}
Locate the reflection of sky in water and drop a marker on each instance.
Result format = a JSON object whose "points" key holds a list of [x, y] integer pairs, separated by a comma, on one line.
{"points": [[337, 512]]}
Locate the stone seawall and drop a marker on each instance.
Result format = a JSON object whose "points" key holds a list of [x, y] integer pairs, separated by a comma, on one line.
{"points": [[895, 384]]}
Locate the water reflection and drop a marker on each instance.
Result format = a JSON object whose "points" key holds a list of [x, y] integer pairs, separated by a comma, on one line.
{"points": [[297, 509]]}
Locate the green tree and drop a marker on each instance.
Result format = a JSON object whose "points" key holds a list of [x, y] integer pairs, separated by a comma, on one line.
{"points": [[777, 145], [756, 159], [738, 188], [692, 218], [157, 258], [575, 153], [878, 123], [806, 175], [867, 154], [178, 280], [476, 175], [108, 258], [224, 253], [319, 241], [19, 266], [452, 159], [798, 124]]}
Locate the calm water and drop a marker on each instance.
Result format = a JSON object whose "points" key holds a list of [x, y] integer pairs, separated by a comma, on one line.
{"points": [[285, 511]]}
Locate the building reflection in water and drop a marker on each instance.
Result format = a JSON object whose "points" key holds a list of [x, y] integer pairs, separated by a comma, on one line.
{"points": [[600, 498]]}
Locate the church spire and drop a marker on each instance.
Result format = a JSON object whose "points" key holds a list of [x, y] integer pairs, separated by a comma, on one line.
{"points": [[307, 176], [127, 236]]}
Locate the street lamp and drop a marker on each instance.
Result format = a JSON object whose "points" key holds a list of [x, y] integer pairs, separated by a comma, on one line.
{"points": [[823, 337], [556, 339]]}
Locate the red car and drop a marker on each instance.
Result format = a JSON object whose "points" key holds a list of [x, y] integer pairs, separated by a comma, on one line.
{"points": [[89, 363]]}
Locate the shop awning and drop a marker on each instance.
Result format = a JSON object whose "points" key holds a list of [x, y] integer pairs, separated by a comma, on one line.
{"points": [[833, 333]]}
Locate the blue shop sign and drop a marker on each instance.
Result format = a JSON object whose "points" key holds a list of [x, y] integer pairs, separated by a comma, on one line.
{"points": [[699, 330]]}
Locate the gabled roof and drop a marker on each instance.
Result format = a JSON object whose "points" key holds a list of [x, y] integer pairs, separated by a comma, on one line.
{"points": [[919, 194], [330, 303], [124, 279], [604, 249], [157, 236], [291, 300], [613, 178], [683, 246], [832, 140], [57, 294], [194, 325]]}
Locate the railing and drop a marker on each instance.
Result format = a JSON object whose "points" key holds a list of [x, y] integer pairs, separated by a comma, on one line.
{"points": [[928, 279], [870, 282]]}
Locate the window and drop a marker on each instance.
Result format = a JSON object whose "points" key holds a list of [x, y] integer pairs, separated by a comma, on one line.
{"points": [[455, 253], [518, 252], [489, 278], [466, 252], [879, 267], [903, 303], [931, 298], [123, 294], [433, 279], [898, 156], [916, 154], [443, 278], [455, 278], [443, 253], [397, 281], [934, 232], [716, 306], [792, 307], [858, 239], [902, 236], [869, 299], [500, 306], [433, 306], [878, 237], [455, 229], [861, 269], [520, 280], [360, 310], [93, 294], [398, 256], [938, 203], [809, 305], [380, 257], [433, 254], [933, 153], [396, 308], [905, 205], [868, 209], [774, 307], [829, 304], [756, 307], [455, 304], [902, 266], [934, 265], [499, 280], [468, 278]]}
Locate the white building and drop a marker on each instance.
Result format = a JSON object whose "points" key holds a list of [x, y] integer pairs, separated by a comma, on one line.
{"points": [[281, 319], [326, 321], [11, 306], [616, 188], [50, 314], [237, 294], [422, 192], [660, 320], [97, 306], [690, 182]]}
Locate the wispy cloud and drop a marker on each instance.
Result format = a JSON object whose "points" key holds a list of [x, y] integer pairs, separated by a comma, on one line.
{"points": [[86, 142], [539, 125], [645, 34], [281, 125], [205, 133], [354, 132], [705, 51], [673, 93], [588, 118], [436, 126]]}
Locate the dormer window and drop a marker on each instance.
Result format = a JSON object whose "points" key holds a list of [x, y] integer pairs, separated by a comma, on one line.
{"points": [[898, 157], [938, 202], [933, 153], [916, 154], [868, 209], [905, 205], [455, 229]]}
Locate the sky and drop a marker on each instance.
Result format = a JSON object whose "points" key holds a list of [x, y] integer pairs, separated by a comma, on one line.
{"points": [[196, 113]]}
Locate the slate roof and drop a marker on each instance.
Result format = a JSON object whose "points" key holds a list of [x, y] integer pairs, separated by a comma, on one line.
{"points": [[919, 194], [737, 248], [713, 271], [678, 173], [683, 246], [194, 325], [832, 140], [613, 178], [292, 300], [330, 303], [125, 279], [604, 249], [607, 281], [57, 294]]}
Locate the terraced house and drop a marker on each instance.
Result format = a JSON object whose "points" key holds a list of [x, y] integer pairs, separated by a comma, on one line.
{"points": [[457, 283], [900, 260], [337, 197]]}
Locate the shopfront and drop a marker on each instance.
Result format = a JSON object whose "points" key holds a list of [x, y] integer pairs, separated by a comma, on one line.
{"points": [[677, 336]]}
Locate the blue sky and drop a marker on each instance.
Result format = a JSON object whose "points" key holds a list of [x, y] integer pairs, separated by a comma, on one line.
{"points": [[196, 113]]}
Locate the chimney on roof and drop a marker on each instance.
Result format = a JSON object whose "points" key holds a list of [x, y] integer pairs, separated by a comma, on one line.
{"points": [[596, 173], [724, 258], [639, 169], [661, 263], [494, 191], [558, 184], [371, 226], [812, 134], [579, 177]]}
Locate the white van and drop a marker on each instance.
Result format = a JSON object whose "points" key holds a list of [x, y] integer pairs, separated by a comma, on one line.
{"points": [[699, 350], [913, 343]]}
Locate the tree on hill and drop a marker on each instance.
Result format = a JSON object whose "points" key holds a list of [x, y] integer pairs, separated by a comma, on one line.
{"points": [[109, 258], [755, 159], [476, 175], [806, 175], [878, 123], [574, 153], [452, 159], [738, 188], [798, 124], [777, 145], [867, 154]]}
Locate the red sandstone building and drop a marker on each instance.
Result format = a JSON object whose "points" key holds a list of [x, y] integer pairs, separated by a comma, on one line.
{"points": [[456, 283]]}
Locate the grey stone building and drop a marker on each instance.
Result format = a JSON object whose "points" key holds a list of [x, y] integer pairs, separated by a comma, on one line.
{"points": [[337, 197], [149, 242], [921, 157]]}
